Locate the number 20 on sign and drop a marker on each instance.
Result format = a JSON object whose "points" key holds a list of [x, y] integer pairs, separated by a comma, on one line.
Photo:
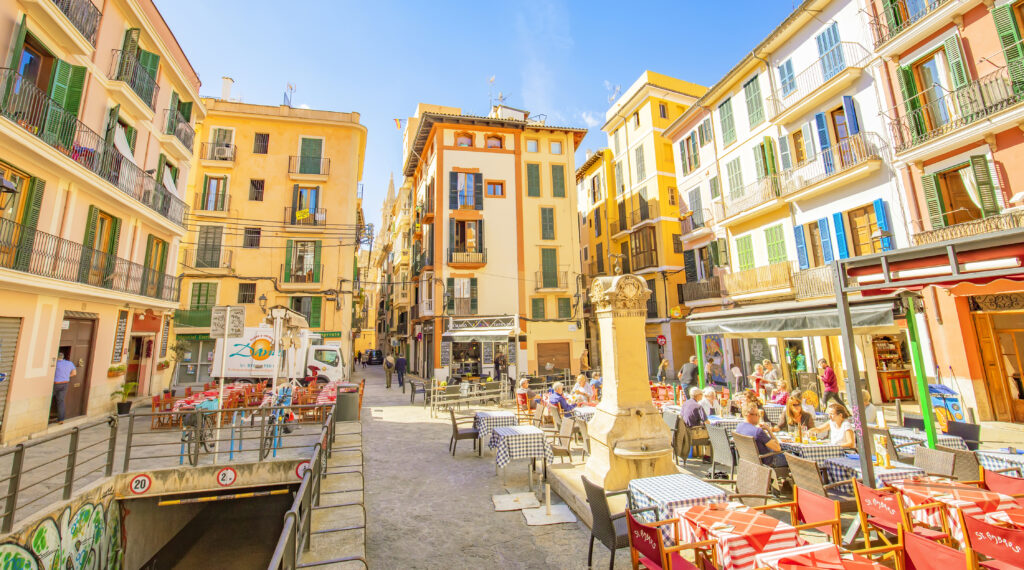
{"points": [[140, 484]]}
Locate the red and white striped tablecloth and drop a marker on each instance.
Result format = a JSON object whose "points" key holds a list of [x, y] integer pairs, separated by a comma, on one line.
{"points": [[973, 501], [742, 533]]}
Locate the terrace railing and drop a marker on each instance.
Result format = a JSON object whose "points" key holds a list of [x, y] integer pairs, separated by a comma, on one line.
{"points": [[126, 67]]}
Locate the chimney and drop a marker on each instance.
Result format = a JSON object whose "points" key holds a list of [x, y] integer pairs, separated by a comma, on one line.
{"points": [[225, 87], [590, 153]]}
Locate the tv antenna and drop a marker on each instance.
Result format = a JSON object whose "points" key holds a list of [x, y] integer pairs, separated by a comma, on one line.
{"points": [[615, 93], [289, 90]]}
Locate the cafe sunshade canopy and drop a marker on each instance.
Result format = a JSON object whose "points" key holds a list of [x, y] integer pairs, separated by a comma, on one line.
{"points": [[478, 335], [791, 319]]}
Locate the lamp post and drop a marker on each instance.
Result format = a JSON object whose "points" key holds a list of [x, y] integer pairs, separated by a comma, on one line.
{"points": [[263, 303]]}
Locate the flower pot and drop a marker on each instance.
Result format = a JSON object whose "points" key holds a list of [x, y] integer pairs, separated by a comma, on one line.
{"points": [[123, 408]]}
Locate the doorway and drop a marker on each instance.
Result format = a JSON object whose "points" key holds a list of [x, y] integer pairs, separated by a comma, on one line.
{"points": [[1001, 339], [76, 342], [139, 350]]}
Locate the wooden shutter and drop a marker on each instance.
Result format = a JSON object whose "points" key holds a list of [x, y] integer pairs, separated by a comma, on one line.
{"points": [[801, 247], [824, 142], [893, 16], [850, 110], [60, 79], [769, 155], [808, 135], [150, 62], [759, 162], [115, 236], [19, 44], [549, 267], [936, 210], [533, 180], [131, 133], [453, 191], [752, 93], [480, 236], [955, 59], [29, 221], [564, 308], [87, 243], [723, 252], [1010, 39], [472, 295], [316, 261], [713, 253], [478, 191], [776, 244], [547, 223], [690, 265], [745, 253], [171, 119], [161, 163], [716, 190], [641, 168], [108, 136], [131, 41], [841, 244], [314, 312], [882, 219], [826, 240], [186, 111], [725, 117], [146, 271], [450, 294], [684, 157], [558, 180], [986, 189], [693, 197], [908, 88], [289, 247], [537, 308], [787, 161]]}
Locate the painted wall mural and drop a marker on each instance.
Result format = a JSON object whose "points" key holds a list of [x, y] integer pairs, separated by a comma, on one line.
{"points": [[84, 536]]}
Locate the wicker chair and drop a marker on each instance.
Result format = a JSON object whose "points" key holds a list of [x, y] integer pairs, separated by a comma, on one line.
{"points": [[460, 433], [753, 483], [746, 449], [970, 433], [561, 445], [807, 476], [966, 468], [721, 449], [934, 461], [608, 528], [890, 445]]}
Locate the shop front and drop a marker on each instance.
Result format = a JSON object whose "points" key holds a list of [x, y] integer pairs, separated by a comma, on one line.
{"points": [[999, 322], [469, 346], [196, 361]]}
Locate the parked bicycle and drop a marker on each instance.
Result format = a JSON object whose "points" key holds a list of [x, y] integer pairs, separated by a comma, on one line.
{"points": [[276, 421], [198, 433]]}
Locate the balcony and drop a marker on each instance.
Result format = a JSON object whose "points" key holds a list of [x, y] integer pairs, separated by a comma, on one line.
{"points": [[140, 102], [33, 110], [299, 274], [548, 281], [619, 226], [851, 159], [754, 199], [428, 210], [644, 260], [814, 282], [208, 258], [198, 317], [179, 134], [710, 288], [45, 255], [829, 75], [461, 257], [775, 280], [217, 202], [646, 212], [462, 307], [593, 269], [1007, 221], [217, 154], [427, 307], [306, 217], [414, 312], [918, 134], [72, 23], [909, 22], [308, 167]]}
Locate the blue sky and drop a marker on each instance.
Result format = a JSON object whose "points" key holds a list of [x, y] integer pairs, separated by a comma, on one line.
{"points": [[380, 58]]}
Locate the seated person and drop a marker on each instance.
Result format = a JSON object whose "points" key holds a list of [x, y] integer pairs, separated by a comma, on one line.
{"points": [[710, 402], [794, 416], [870, 411], [745, 397], [692, 411], [803, 403], [839, 427], [781, 393], [766, 443], [596, 383], [582, 392], [557, 398], [531, 396]]}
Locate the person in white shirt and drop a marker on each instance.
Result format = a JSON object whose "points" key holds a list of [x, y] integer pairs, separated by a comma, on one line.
{"points": [[839, 427], [710, 402], [870, 411]]}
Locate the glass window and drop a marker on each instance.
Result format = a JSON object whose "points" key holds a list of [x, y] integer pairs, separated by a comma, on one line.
{"points": [[662, 111], [261, 143], [531, 145], [252, 238], [494, 142], [958, 191], [496, 189], [463, 139], [256, 190], [246, 292], [930, 76], [12, 204], [327, 356], [726, 119], [537, 308], [556, 147], [214, 193]]}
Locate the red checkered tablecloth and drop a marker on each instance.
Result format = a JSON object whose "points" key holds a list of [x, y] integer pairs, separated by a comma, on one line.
{"points": [[190, 402], [329, 393], [825, 556], [971, 499], [742, 533]]}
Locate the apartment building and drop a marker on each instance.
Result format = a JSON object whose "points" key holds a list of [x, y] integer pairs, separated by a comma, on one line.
{"points": [[380, 262], [364, 305], [595, 206], [274, 222], [96, 144], [644, 223], [496, 268]]}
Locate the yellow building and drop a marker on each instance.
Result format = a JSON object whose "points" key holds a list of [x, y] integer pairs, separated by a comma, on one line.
{"points": [[595, 208], [644, 226], [274, 221], [364, 305]]}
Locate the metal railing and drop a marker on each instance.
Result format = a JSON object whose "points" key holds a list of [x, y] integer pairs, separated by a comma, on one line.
{"points": [[468, 393], [619, 225], [33, 110], [217, 202], [426, 307], [548, 280], [647, 210], [305, 216], [932, 114], [753, 195], [46, 255], [843, 56], [700, 218], [644, 259], [296, 274], [83, 15], [594, 269], [891, 23], [710, 288], [208, 257], [217, 151], [175, 124], [461, 256], [461, 307], [194, 317], [765, 278], [309, 165], [126, 67], [842, 156], [962, 230], [814, 282]]}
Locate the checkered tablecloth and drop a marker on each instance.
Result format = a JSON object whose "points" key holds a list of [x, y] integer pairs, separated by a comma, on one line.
{"points": [[820, 555], [906, 435], [190, 402], [773, 412], [813, 451], [973, 501], [519, 442], [846, 468], [741, 533], [672, 494], [994, 460], [728, 423], [584, 413], [485, 422], [329, 392]]}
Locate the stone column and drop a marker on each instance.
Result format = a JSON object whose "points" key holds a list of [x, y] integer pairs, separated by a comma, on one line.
{"points": [[628, 438]]}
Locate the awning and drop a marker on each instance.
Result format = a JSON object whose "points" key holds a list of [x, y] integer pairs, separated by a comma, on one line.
{"points": [[792, 319], [478, 335]]}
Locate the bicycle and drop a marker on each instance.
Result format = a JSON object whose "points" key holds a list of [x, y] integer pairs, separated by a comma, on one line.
{"points": [[275, 422], [196, 435]]}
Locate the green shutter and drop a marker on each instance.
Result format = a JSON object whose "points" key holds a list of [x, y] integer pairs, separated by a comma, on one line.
{"points": [[893, 16], [558, 180], [146, 277], [547, 223], [171, 119], [955, 59], [549, 267], [769, 155], [129, 50], [684, 157], [149, 61], [60, 79], [776, 244], [537, 308], [186, 111], [745, 253], [726, 119], [533, 180], [908, 88], [450, 294], [755, 107], [478, 191], [453, 191], [936, 211], [310, 153], [472, 296], [288, 247], [19, 44], [564, 308], [131, 134], [161, 163], [986, 189], [314, 312], [716, 191], [759, 162], [108, 136], [1010, 38], [87, 243], [713, 253], [29, 221], [316, 261]]}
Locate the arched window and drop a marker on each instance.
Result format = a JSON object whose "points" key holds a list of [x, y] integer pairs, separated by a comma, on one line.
{"points": [[494, 141], [463, 139]]}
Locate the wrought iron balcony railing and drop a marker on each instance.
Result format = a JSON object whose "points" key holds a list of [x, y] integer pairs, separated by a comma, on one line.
{"points": [[208, 258], [900, 16], [460, 256], [175, 124], [646, 210], [753, 195], [836, 60], [710, 288], [309, 165], [217, 202], [126, 67], [83, 15], [301, 274], [551, 280], [814, 282], [193, 317], [760, 279], [217, 151], [842, 156], [305, 216], [1008, 221]]}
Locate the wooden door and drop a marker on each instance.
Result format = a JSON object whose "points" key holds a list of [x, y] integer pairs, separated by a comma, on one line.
{"points": [[995, 386], [556, 353], [78, 337]]}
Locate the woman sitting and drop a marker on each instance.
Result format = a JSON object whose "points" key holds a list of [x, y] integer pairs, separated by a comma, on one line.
{"points": [[710, 403], [781, 393], [839, 427], [794, 416], [582, 391], [747, 396]]}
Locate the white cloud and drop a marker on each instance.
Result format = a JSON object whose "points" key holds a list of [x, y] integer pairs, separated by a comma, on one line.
{"points": [[304, 106], [591, 120]]}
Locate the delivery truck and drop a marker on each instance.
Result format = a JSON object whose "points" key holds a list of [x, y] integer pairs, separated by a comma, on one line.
{"points": [[251, 356]]}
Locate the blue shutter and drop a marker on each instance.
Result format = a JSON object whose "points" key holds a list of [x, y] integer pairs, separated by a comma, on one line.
{"points": [[852, 124], [826, 240], [882, 219], [844, 250], [801, 247], [826, 144]]}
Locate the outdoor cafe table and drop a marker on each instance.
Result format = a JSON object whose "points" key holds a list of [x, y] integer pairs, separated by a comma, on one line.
{"points": [[519, 442], [901, 435], [823, 555], [846, 467], [583, 413], [994, 460], [729, 423], [773, 413], [487, 421], [189, 403], [672, 494], [741, 532], [955, 496], [329, 392], [814, 451]]}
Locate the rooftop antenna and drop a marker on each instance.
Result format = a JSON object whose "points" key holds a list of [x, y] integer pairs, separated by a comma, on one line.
{"points": [[490, 91], [288, 91], [615, 94]]}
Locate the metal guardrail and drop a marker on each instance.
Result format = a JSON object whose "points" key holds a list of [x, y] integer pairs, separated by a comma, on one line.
{"points": [[843, 56], [217, 151], [175, 124], [309, 165], [467, 393], [900, 16], [313, 274], [83, 15], [557, 280], [305, 216], [126, 67], [842, 156]]}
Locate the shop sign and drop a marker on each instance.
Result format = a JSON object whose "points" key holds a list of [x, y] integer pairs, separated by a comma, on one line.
{"points": [[119, 334], [488, 352], [446, 353]]}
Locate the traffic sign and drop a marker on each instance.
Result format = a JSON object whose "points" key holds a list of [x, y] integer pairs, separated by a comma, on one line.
{"points": [[227, 477], [301, 468], [662, 340], [140, 484]]}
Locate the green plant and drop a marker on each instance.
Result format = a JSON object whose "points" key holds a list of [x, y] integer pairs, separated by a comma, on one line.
{"points": [[178, 349], [127, 389], [117, 370]]}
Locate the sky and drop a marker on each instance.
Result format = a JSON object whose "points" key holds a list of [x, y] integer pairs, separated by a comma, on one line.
{"points": [[562, 59]]}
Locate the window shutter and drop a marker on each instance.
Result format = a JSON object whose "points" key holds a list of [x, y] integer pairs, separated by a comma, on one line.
{"points": [[1010, 38], [713, 253], [745, 253], [533, 180], [537, 307], [19, 44], [87, 243], [131, 133], [776, 244], [29, 219], [695, 151], [186, 111], [755, 108], [108, 136], [893, 16], [908, 88], [480, 236], [146, 277], [787, 161], [547, 223], [478, 191], [850, 110], [564, 308], [115, 236], [882, 219], [641, 168], [472, 295], [129, 50], [769, 155], [986, 190], [808, 135], [723, 252], [716, 190], [955, 59], [60, 78], [936, 211], [801, 247], [314, 312], [558, 180], [170, 116], [696, 207], [453, 191], [823, 140], [316, 261], [289, 246], [759, 162], [450, 294], [149, 61], [844, 250], [451, 235], [690, 265], [684, 157], [826, 240], [549, 267]]}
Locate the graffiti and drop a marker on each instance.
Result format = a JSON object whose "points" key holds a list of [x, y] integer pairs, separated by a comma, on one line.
{"points": [[88, 538]]}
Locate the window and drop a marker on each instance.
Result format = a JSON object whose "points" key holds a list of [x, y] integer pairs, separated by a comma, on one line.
{"points": [[246, 292], [677, 243], [302, 261], [556, 147], [620, 185], [496, 189], [308, 307], [636, 120], [662, 111], [537, 308], [251, 238], [549, 268], [256, 190], [564, 308], [462, 295], [799, 147], [466, 189], [615, 140], [261, 143], [307, 206], [755, 106], [745, 253], [586, 252], [495, 142], [558, 180], [862, 226], [641, 168], [643, 248], [208, 246], [221, 144], [716, 191], [787, 81], [814, 245], [596, 190], [597, 222], [963, 193], [466, 236], [13, 208], [547, 223], [728, 125], [679, 293], [204, 296], [531, 145], [311, 152], [463, 139], [599, 257], [652, 301], [671, 196], [830, 51], [533, 180], [214, 195], [776, 244], [735, 174], [925, 85], [704, 132]]}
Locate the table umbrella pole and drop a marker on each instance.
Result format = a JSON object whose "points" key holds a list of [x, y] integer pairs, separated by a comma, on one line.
{"points": [[700, 361], [864, 446], [918, 359]]}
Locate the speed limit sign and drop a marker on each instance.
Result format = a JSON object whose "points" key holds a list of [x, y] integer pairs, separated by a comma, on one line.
{"points": [[227, 477], [140, 484]]}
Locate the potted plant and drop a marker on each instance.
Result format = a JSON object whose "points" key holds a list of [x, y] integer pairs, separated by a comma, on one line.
{"points": [[115, 371], [123, 393], [163, 365]]}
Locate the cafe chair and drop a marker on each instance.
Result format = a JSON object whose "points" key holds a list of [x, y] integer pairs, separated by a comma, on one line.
{"points": [[721, 450], [895, 450], [809, 510], [752, 483], [671, 418], [913, 421], [807, 476], [610, 529], [918, 552], [746, 448], [966, 468], [998, 482], [562, 441], [647, 548], [581, 430], [1000, 546], [934, 462], [682, 441], [970, 433], [883, 511], [460, 433]]}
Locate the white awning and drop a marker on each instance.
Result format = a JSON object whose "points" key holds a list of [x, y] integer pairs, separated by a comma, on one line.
{"points": [[478, 335], [121, 144], [792, 319]]}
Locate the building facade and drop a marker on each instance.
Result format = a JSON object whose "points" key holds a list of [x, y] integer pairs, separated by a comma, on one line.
{"points": [[595, 206], [274, 222], [96, 143]]}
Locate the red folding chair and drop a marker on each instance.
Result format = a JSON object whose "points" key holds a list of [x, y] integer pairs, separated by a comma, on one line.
{"points": [[811, 510], [883, 511], [1005, 484], [923, 553], [647, 548], [1005, 546]]}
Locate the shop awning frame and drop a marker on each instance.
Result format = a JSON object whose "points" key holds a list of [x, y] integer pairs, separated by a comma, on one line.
{"points": [[793, 319], [478, 335]]}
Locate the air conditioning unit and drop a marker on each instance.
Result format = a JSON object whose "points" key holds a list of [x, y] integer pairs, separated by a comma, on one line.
{"points": [[223, 153]]}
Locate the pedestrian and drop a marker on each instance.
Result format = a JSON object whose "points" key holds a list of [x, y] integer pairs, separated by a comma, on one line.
{"points": [[771, 373], [389, 368], [62, 375], [831, 384], [365, 358], [688, 375], [359, 356], [737, 378], [400, 365], [663, 370], [585, 360]]}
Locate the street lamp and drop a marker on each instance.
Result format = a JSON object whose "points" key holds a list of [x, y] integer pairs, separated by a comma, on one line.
{"points": [[263, 303]]}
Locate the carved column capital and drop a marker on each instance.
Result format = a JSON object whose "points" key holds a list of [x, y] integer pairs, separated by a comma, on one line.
{"points": [[620, 294]]}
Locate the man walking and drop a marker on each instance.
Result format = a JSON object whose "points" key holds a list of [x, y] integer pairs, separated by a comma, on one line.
{"points": [[63, 374], [389, 368], [688, 375], [400, 365], [831, 383]]}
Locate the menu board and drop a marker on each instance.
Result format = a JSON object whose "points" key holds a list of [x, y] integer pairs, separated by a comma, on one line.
{"points": [[446, 353], [488, 352], [163, 337], [513, 350], [119, 333]]}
